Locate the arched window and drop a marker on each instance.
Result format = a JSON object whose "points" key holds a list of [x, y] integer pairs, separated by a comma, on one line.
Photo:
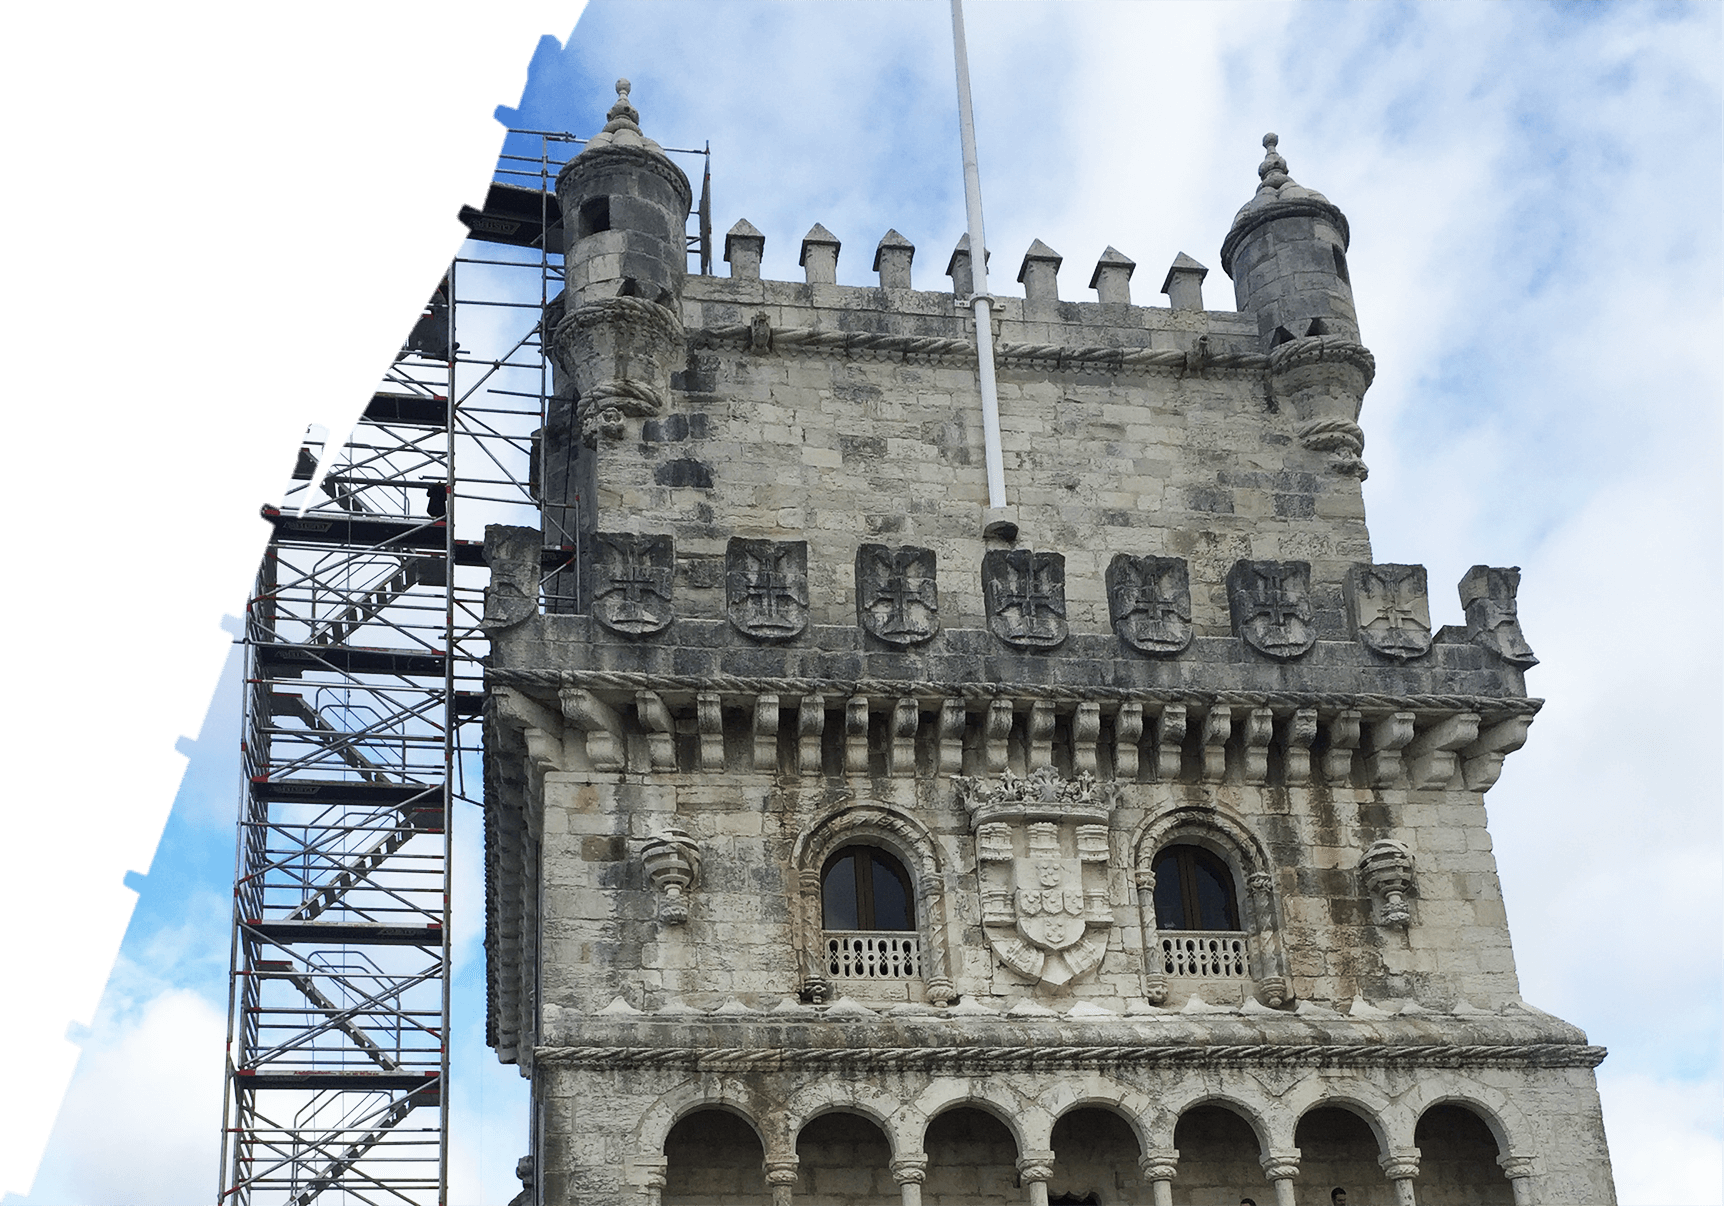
{"points": [[865, 888], [1194, 891]]}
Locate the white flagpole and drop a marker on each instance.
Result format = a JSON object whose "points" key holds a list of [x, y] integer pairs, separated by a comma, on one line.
{"points": [[979, 300]]}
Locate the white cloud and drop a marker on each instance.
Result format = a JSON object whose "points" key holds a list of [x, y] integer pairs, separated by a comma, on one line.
{"points": [[139, 1125], [1664, 1139]]}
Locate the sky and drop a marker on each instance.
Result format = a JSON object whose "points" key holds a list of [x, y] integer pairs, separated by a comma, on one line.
{"points": [[1534, 193]]}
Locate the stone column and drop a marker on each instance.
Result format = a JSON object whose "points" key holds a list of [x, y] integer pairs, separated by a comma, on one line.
{"points": [[1518, 1169], [655, 1179], [910, 1172], [1281, 1168], [1159, 1168], [1035, 1170], [781, 1176], [1401, 1166]]}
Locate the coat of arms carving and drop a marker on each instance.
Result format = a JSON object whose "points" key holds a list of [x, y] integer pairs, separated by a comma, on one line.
{"points": [[1493, 614], [1025, 593], [1149, 599], [766, 587], [1042, 857], [897, 599], [1391, 609], [1271, 604], [631, 582]]}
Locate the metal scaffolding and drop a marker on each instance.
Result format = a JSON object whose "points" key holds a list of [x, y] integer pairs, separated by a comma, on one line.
{"points": [[364, 677]]}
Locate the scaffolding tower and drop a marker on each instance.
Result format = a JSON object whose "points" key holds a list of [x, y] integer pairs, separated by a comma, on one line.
{"points": [[363, 683]]}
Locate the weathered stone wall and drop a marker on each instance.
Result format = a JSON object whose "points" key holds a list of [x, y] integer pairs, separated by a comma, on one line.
{"points": [[794, 442]]}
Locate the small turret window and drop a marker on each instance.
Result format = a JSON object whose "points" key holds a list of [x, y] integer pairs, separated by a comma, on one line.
{"points": [[1194, 891], [595, 215], [1341, 264], [864, 888]]}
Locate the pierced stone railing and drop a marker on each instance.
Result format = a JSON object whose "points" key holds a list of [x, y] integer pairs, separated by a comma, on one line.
{"points": [[1204, 954], [873, 954]]}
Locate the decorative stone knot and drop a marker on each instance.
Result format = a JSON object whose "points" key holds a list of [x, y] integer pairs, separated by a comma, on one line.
{"points": [[782, 1171], [1159, 1166], [910, 1170], [622, 115], [1259, 882], [1036, 1166], [1273, 170]]}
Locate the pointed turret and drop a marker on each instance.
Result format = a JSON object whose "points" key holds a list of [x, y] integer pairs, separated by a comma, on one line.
{"points": [[1287, 255]]}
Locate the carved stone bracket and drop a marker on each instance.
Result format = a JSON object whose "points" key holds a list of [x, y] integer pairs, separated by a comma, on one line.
{"points": [[672, 863], [1387, 873]]}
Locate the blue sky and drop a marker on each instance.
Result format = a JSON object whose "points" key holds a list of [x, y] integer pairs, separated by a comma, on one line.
{"points": [[1534, 192]]}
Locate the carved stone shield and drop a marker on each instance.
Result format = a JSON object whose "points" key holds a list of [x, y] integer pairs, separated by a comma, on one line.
{"points": [[1391, 609], [1493, 615], [896, 596], [631, 582], [1025, 594], [1049, 901], [766, 587], [1271, 603], [1149, 599]]}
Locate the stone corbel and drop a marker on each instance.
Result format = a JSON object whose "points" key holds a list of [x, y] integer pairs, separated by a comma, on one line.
{"points": [[1041, 747], [1169, 742], [709, 718], [1482, 761], [766, 733], [1389, 735], [996, 735], [810, 729], [856, 735], [661, 730], [1296, 742], [1432, 756], [1386, 871], [1343, 740], [1254, 737], [1086, 731], [901, 754], [953, 719], [600, 722], [672, 863], [1217, 728], [1127, 733]]}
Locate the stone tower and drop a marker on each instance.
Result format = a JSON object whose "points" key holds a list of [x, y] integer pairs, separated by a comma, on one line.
{"points": [[838, 852]]}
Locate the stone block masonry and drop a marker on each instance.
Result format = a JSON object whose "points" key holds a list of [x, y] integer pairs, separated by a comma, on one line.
{"points": [[839, 850]]}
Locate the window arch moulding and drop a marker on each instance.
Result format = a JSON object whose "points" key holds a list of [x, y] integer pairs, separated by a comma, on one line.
{"points": [[1255, 953], [854, 961]]}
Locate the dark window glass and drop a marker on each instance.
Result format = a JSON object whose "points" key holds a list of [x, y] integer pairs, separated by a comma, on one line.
{"points": [[864, 888], [1193, 891]]}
